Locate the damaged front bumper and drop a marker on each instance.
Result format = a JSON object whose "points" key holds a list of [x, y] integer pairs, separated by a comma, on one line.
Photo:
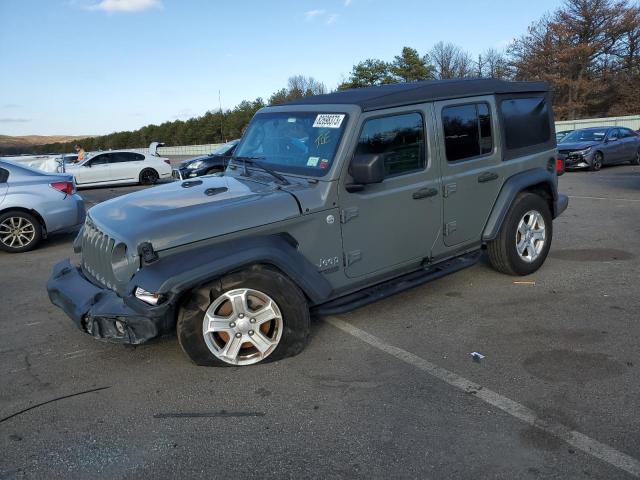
{"points": [[101, 312]]}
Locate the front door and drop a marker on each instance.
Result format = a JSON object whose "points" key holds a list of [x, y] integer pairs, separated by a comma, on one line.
{"points": [[94, 170], [397, 221], [614, 147], [471, 166]]}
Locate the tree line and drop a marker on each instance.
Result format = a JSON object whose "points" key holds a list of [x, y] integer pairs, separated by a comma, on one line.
{"points": [[589, 50]]}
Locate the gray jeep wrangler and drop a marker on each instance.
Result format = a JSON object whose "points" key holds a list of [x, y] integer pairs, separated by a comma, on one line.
{"points": [[330, 202]]}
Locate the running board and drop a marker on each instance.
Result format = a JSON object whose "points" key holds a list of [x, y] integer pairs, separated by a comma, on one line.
{"points": [[400, 284]]}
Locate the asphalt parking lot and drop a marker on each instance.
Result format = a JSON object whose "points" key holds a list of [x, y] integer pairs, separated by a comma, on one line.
{"points": [[366, 400]]}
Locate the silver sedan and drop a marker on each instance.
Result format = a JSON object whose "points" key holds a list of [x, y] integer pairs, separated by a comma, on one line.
{"points": [[35, 204]]}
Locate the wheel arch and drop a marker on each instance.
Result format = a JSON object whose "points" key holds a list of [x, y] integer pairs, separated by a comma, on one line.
{"points": [[30, 211], [177, 274], [539, 181]]}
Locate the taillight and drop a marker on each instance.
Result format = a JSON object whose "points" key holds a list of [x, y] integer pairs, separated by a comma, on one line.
{"points": [[68, 188], [559, 166]]}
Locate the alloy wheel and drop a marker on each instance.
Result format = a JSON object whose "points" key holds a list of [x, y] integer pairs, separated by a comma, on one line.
{"points": [[530, 236], [17, 232], [242, 326]]}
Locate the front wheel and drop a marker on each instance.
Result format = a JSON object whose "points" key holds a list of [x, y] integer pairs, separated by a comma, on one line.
{"points": [[525, 237], [596, 163], [248, 317]]}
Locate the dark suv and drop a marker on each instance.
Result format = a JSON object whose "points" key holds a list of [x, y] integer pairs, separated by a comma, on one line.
{"points": [[329, 203]]}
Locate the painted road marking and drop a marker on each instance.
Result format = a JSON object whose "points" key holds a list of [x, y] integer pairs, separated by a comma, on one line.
{"points": [[605, 198], [576, 439]]}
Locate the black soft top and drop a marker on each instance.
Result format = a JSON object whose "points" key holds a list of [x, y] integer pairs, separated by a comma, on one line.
{"points": [[399, 94]]}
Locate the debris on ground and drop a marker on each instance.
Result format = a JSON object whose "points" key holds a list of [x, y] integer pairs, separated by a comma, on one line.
{"points": [[476, 356]]}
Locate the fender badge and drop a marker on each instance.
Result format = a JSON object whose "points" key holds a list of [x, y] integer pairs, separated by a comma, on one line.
{"points": [[330, 219]]}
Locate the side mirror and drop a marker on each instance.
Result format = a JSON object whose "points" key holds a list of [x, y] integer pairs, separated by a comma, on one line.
{"points": [[366, 169]]}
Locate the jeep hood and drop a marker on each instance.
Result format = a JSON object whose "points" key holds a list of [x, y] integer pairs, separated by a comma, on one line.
{"points": [[183, 212]]}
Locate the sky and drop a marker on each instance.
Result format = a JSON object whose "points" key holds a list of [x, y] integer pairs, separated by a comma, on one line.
{"points": [[75, 67]]}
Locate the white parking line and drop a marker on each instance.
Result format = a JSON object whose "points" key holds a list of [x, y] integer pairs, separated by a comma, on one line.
{"points": [[605, 198], [576, 439]]}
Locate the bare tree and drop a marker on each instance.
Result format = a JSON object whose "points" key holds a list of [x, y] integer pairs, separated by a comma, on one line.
{"points": [[450, 61]]}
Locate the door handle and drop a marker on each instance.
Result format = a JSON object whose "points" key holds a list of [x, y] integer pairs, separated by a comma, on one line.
{"points": [[425, 193], [487, 177]]}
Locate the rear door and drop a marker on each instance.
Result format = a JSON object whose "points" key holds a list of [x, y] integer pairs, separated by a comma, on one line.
{"points": [[94, 170], [125, 165], [397, 221], [4, 178], [471, 165]]}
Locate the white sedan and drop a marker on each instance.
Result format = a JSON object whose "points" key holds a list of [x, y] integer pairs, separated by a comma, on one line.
{"points": [[119, 167]]}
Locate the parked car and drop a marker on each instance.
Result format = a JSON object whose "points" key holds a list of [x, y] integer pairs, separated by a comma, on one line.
{"points": [[34, 205], [215, 162], [119, 167], [594, 147], [329, 203], [561, 135]]}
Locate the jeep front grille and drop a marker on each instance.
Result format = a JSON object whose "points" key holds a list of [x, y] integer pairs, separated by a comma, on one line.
{"points": [[97, 248]]}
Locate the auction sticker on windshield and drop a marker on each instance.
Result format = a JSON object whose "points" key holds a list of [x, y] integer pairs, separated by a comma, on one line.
{"points": [[328, 120]]}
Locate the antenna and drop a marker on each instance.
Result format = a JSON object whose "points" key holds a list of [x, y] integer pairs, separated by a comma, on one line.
{"points": [[221, 117]]}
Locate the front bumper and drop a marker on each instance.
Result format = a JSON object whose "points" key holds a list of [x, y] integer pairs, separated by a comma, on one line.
{"points": [[577, 161], [101, 312]]}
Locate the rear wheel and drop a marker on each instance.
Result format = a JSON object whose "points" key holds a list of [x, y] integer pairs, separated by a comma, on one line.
{"points": [[148, 176], [636, 159], [19, 232], [596, 163], [525, 237], [248, 317]]}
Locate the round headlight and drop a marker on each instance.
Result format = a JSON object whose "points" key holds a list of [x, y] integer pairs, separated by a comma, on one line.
{"points": [[119, 262]]}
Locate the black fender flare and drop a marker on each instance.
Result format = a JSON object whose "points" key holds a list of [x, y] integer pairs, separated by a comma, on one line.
{"points": [[175, 274], [512, 187]]}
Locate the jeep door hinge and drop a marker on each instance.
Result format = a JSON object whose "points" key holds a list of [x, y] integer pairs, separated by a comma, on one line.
{"points": [[348, 214], [449, 189], [450, 227], [352, 257]]}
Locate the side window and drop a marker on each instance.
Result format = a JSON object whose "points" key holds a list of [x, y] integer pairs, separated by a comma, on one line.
{"points": [[626, 133], [467, 131], [136, 157], [613, 134], [4, 175], [99, 159], [399, 137], [526, 122], [120, 157]]}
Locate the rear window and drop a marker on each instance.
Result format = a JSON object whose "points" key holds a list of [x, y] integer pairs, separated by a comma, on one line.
{"points": [[526, 122]]}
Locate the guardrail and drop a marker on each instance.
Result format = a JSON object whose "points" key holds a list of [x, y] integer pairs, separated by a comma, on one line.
{"points": [[632, 122]]}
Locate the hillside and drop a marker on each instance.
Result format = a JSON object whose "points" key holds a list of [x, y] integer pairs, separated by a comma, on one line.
{"points": [[23, 144]]}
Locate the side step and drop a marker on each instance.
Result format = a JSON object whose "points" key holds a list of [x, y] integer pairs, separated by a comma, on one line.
{"points": [[400, 284]]}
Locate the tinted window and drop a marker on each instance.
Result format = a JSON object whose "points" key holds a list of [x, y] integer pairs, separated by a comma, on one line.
{"points": [[399, 137], [625, 133], [4, 175], [99, 159], [613, 134], [118, 157], [526, 122], [467, 131]]}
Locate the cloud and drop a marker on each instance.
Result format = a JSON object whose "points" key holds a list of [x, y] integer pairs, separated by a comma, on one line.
{"points": [[347, 3], [184, 114], [311, 14], [125, 6], [15, 120], [332, 19]]}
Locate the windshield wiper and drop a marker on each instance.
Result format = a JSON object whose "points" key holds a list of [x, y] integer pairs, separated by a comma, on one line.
{"points": [[254, 161]]}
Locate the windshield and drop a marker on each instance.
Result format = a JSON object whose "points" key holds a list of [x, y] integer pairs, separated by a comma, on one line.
{"points": [[585, 136], [224, 148], [303, 143]]}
